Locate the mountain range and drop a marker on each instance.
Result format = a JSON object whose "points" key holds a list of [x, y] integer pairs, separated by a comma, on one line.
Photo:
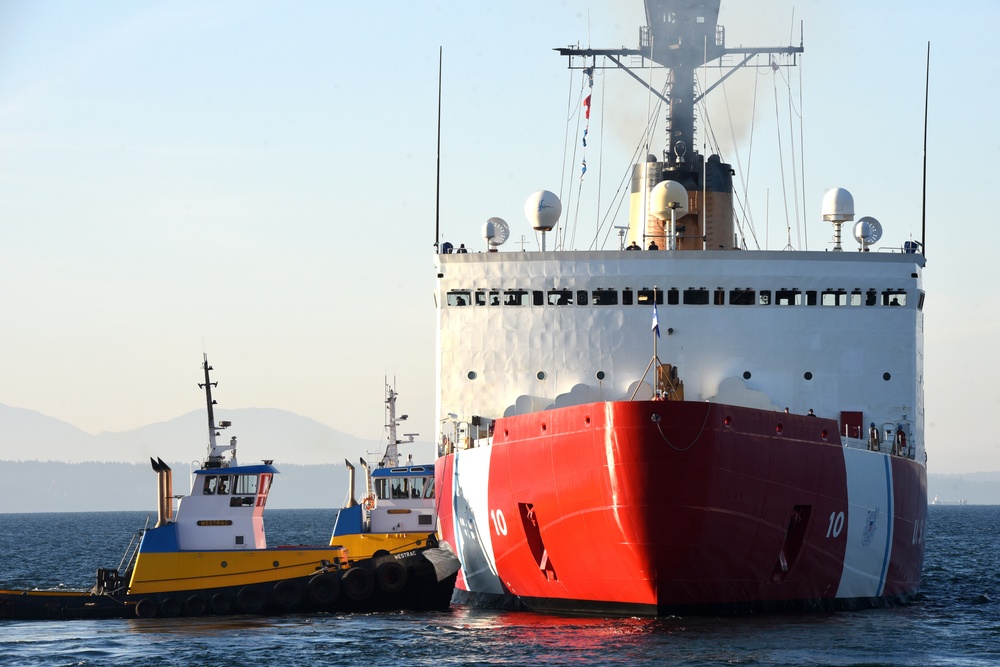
{"points": [[47, 465]]}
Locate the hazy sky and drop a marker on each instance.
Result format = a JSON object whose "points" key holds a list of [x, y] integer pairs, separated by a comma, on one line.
{"points": [[256, 180]]}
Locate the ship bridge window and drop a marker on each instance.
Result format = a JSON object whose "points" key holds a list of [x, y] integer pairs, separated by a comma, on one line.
{"points": [[560, 297], [920, 302], [894, 297], [832, 297], [695, 296], [246, 485], [382, 488], [855, 297], [537, 298], [673, 296], [871, 297], [719, 298], [788, 297], [399, 487], [605, 297], [459, 298], [764, 299], [211, 482], [480, 297], [646, 296], [627, 297], [515, 297], [223, 487], [742, 297], [494, 297], [811, 298], [581, 298], [418, 486]]}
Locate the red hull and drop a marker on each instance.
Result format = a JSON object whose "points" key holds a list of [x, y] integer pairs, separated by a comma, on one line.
{"points": [[650, 507]]}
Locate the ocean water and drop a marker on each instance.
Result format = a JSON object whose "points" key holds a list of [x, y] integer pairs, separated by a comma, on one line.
{"points": [[956, 620]]}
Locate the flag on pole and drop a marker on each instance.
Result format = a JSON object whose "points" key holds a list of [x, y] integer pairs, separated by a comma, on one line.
{"points": [[656, 321], [586, 107]]}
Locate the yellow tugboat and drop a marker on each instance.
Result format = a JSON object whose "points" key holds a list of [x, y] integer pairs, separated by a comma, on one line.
{"points": [[210, 556]]}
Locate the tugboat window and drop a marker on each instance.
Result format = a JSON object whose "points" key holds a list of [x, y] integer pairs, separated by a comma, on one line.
{"points": [[246, 485], [210, 482], [223, 485]]}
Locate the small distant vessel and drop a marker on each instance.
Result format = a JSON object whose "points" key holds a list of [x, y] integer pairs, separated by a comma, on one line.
{"points": [[210, 556]]}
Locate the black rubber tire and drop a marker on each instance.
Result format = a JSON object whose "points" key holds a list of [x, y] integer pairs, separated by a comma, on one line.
{"points": [[358, 584], [195, 606], [146, 608], [250, 600], [390, 577], [324, 589], [221, 604], [170, 608], [287, 594]]}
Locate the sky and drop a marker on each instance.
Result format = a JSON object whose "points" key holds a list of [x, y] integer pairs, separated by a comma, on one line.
{"points": [[256, 180]]}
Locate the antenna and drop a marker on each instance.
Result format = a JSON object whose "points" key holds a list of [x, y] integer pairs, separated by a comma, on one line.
{"points": [[437, 185], [923, 203]]}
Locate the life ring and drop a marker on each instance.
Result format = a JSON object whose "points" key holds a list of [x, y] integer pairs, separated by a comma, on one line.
{"points": [[390, 577], [368, 501], [323, 589], [358, 584]]}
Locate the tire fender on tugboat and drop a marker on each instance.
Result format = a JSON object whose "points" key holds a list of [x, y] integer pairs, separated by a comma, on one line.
{"points": [[358, 584], [390, 577], [145, 608], [221, 604], [170, 608], [250, 600], [195, 605], [287, 594], [324, 589]]}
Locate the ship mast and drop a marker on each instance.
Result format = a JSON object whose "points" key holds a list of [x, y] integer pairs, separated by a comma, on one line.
{"points": [[215, 452], [391, 457], [681, 36]]}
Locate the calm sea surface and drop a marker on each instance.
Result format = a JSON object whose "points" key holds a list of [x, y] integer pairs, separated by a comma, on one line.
{"points": [[956, 621]]}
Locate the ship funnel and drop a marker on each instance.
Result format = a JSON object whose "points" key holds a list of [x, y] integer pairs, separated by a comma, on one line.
{"points": [[543, 209], [164, 492], [838, 208]]}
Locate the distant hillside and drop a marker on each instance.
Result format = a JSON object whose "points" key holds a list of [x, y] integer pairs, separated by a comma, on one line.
{"points": [[262, 433]]}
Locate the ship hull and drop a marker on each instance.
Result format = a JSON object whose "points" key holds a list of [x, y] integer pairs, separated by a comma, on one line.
{"points": [[654, 507]]}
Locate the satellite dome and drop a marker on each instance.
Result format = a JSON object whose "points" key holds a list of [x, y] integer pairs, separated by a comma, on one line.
{"points": [[838, 205], [867, 230], [543, 209], [496, 231], [667, 196]]}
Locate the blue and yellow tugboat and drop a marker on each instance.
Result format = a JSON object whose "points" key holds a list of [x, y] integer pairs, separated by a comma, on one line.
{"points": [[210, 556]]}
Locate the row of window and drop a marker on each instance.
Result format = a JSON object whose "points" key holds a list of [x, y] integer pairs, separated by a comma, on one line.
{"points": [[692, 296], [240, 485], [387, 488]]}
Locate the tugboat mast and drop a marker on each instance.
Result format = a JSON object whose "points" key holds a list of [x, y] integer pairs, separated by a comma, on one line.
{"points": [[391, 457], [215, 452]]}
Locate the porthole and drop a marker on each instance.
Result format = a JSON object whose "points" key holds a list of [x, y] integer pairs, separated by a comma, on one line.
{"points": [[545, 427], [886, 376], [472, 375], [728, 421], [540, 375], [824, 434], [275, 563], [808, 375], [779, 428], [225, 564], [586, 420], [746, 375], [599, 375]]}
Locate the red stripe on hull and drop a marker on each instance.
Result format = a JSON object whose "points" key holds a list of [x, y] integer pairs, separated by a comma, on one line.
{"points": [[660, 505]]}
